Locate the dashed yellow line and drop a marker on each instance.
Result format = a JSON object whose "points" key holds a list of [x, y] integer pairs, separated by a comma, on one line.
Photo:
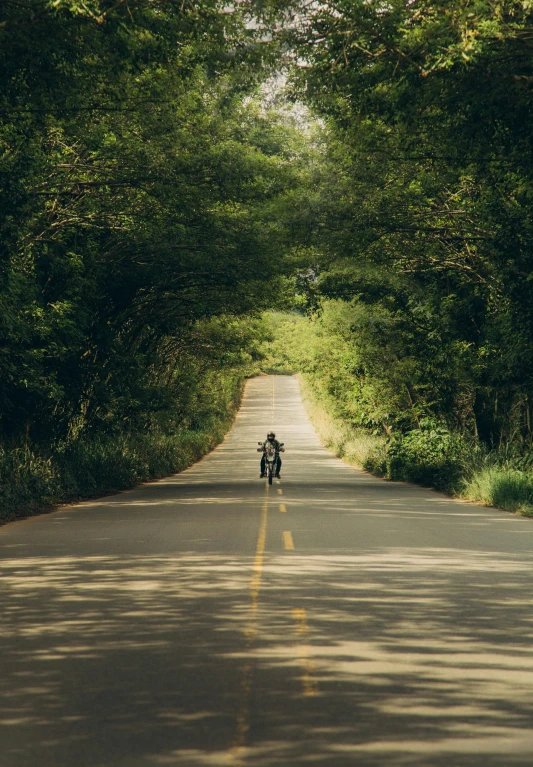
{"points": [[236, 752], [280, 491], [288, 543], [282, 507], [255, 583], [309, 670]]}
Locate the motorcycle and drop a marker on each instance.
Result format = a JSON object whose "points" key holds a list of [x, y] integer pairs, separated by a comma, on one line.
{"points": [[271, 459]]}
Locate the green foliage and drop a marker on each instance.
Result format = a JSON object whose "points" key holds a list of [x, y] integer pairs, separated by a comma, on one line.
{"points": [[356, 446], [335, 352], [360, 401], [31, 481], [142, 187], [412, 447], [423, 214], [431, 455], [502, 486]]}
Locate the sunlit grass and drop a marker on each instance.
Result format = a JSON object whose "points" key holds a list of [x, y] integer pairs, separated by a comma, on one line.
{"points": [[356, 446], [501, 486], [479, 476]]}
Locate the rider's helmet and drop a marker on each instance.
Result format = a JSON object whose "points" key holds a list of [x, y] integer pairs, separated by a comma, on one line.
{"points": [[271, 435]]}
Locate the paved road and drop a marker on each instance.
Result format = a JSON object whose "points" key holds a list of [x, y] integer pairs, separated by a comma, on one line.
{"points": [[333, 620]]}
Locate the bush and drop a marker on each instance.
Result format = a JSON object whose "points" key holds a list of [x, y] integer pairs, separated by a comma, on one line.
{"points": [[27, 481], [431, 455], [356, 445], [31, 482], [502, 486]]}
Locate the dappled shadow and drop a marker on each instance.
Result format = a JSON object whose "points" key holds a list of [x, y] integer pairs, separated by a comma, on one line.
{"points": [[403, 660], [173, 625]]}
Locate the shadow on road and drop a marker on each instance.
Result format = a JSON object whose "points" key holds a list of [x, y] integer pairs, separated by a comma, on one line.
{"points": [[347, 660]]}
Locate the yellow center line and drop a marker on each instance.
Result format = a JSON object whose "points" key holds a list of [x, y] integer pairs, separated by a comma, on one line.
{"points": [[282, 507], [255, 583], [309, 670], [288, 543], [236, 752], [280, 491]]}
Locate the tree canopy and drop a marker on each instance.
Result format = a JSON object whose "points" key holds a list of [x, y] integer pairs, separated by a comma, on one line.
{"points": [[140, 184], [426, 214], [153, 192]]}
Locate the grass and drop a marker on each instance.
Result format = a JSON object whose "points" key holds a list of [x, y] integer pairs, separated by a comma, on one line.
{"points": [[501, 486], [454, 465], [32, 482], [356, 446]]}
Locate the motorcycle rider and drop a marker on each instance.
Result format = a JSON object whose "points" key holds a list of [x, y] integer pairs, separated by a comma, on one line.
{"points": [[271, 439]]}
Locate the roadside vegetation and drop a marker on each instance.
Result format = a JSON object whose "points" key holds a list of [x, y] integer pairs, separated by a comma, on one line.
{"points": [[170, 171], [362, 415], [141, 185], [173, 423], [36, 480], [419, 285]]}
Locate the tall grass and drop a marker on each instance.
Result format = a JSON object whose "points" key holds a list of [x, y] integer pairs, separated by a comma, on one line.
{"points": [[31, 482], [431, 456], [355, 446], [502, 486]]}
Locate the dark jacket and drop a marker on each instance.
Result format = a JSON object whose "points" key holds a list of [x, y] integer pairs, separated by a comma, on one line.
{"points": [[274, 442]]}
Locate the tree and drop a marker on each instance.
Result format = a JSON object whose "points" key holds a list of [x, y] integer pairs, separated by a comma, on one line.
{"points": [[141, 186], [427, 213]]}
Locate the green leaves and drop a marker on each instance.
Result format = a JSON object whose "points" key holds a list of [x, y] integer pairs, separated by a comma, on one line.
{"points": [[422, 221], [142, 186]]}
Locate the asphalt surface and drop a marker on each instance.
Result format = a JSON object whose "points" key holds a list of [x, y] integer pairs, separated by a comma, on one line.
{"points": [[333, 619]]}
